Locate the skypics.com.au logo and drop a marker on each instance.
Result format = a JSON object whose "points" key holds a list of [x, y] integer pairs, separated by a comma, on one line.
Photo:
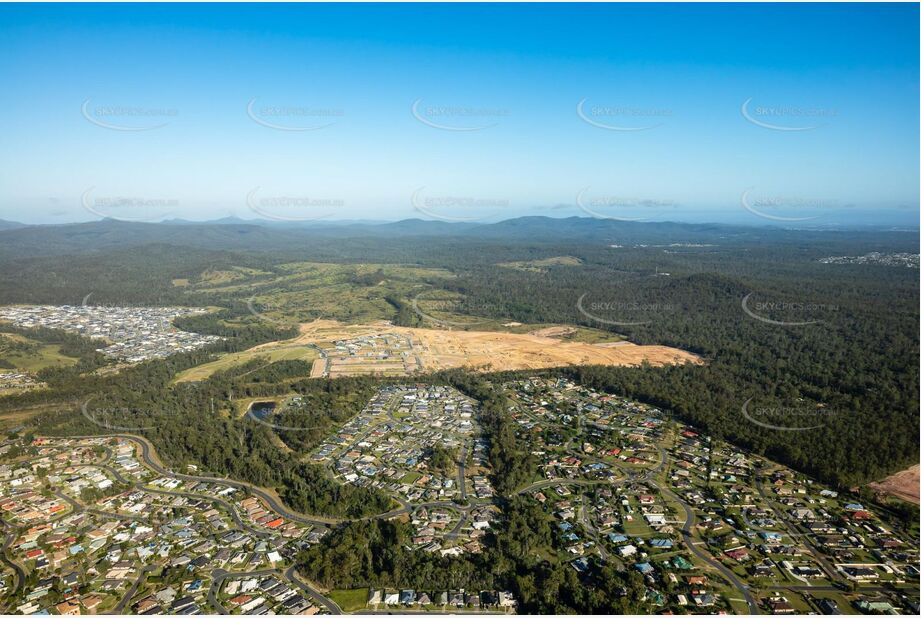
{"points": [[292, 118], [453, 306], [456, 209], [785, 312], [127, 118], [800, 417], [785, 118], [621, 118], [130, 209], [293, 208], [620, 311], [457, 118]]}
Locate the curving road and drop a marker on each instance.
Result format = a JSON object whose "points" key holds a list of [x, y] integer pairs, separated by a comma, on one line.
{"points": [[329, 604], [593, 532], [129, 594], [164, 492], [146, 454], [147, 451], [262, 534], [705, 555], [826, 566], [17, 568], [219, 575], [553, 482]]}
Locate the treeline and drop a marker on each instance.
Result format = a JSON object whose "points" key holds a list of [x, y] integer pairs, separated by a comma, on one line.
{"points": [[376, 553], [855, 358], [844, 445], [243, 450]]}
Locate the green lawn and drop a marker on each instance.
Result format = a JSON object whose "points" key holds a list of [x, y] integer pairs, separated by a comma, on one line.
{"points": [[35, 356], [410, 477], [350, 600]]}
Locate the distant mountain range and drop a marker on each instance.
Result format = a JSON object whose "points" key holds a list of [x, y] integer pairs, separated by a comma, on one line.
{"points": [[18, 240], [10, 225]]}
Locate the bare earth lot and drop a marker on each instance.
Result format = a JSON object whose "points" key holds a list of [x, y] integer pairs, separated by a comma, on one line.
{"points": [[904, 484], [489, 351]]}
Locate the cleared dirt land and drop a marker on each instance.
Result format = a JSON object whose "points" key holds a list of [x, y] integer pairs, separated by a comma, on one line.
{"points": [[492, 351], [904, 484]]}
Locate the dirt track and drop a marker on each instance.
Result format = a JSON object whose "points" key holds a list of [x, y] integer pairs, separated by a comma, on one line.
{"points": [[497, 351], [554, 331]]}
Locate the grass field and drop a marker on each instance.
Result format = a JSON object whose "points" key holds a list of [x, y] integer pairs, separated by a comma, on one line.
{"points": [[350, 600], [9, 420], [302, 291], [28, 355], [411, 477], [439, 308], [211, 277], [271, 355]]}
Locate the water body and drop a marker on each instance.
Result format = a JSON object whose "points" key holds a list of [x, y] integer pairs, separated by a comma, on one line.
{"points": [[261, 409]]}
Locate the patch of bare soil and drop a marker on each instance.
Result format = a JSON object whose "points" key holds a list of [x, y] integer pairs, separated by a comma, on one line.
{"points": [[905, 485], [496, 351], [554, 331]]}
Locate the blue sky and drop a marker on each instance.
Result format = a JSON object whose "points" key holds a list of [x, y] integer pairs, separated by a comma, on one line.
{"points": [[829, 134]]}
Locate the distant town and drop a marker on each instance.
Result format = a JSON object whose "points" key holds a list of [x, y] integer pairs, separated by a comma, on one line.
{"points": [[908, 260], [133, 334]]}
